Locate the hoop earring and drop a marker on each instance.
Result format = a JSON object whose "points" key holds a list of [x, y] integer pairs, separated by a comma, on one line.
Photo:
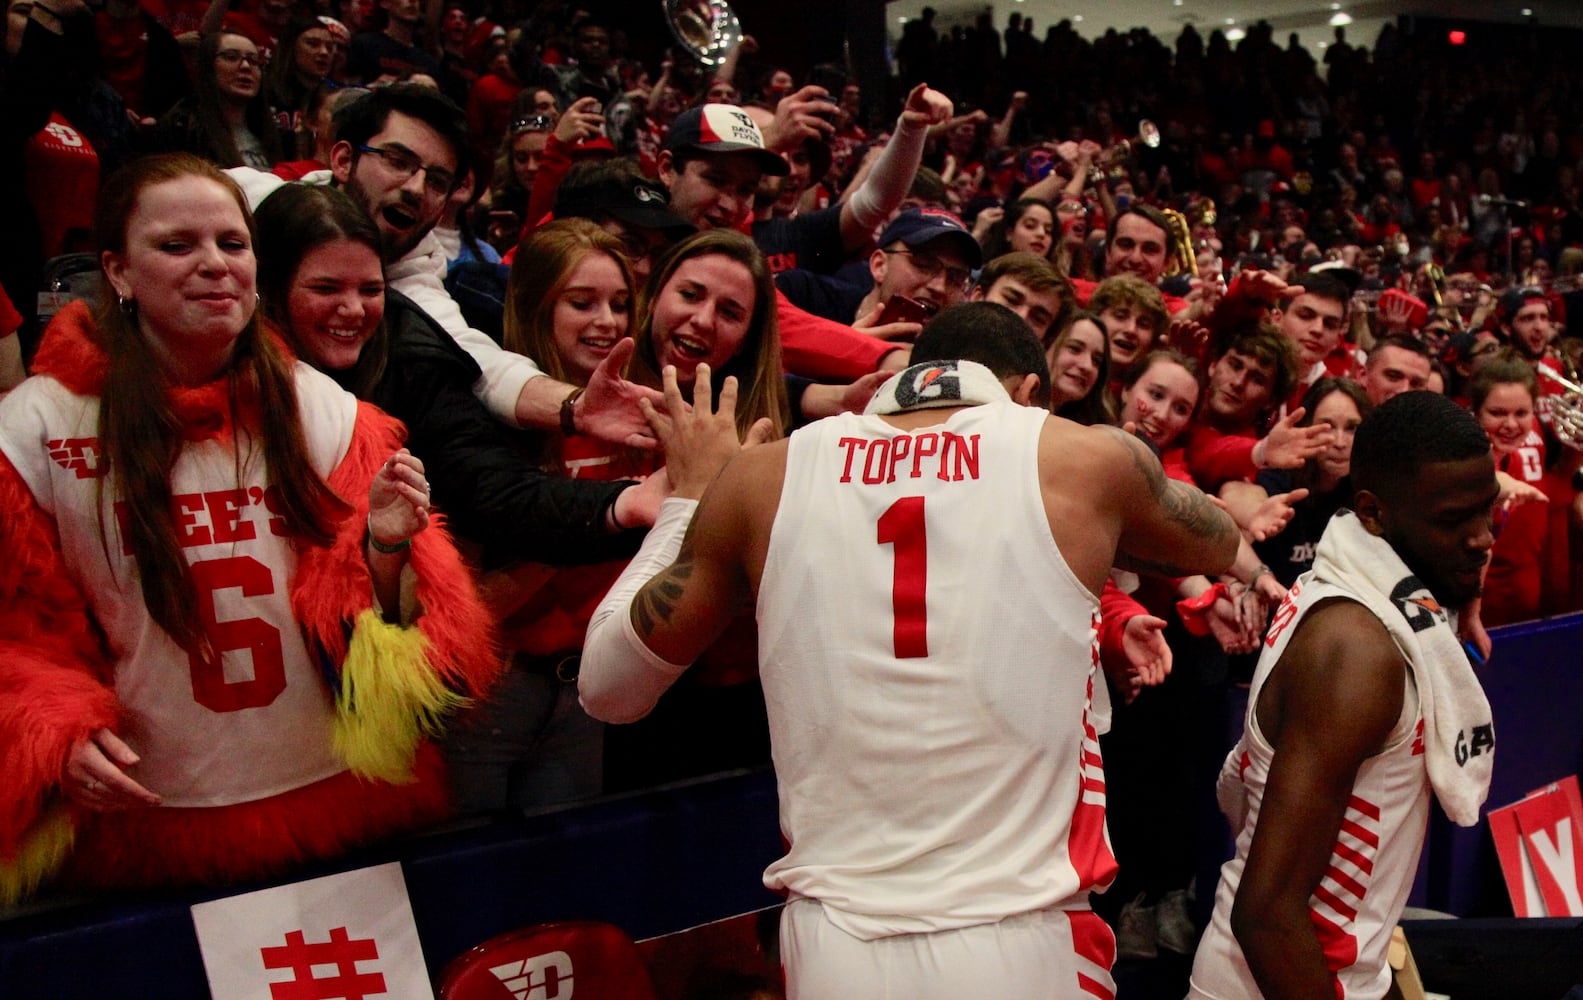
{"points": [[127, 305]]}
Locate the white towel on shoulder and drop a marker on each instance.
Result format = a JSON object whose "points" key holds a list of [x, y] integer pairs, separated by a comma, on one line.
{"points": [[1459, 733]]}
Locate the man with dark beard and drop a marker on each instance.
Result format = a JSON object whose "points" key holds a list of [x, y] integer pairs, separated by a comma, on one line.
{"points": [[399, 152]]}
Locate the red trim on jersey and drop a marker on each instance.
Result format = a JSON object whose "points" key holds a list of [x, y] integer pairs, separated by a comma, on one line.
{"points": [[1340, 948], [1347, 882], [1335, 902], [1365, 807], [1350, 826], [1362, 861]]}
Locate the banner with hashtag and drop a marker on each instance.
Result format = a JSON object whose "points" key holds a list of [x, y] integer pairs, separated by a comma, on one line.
{"points": [[342, 937]]}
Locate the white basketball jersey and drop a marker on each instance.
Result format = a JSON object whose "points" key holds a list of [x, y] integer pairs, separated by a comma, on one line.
{"points": [[1373, 862], [257, 722], [928, 661]]}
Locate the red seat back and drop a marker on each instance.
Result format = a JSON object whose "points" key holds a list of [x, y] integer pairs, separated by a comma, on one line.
{"points": [[544, 962]]}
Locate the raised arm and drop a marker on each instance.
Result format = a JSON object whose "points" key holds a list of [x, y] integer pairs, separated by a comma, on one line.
{"points": [[1329, 705], [689, 580]]}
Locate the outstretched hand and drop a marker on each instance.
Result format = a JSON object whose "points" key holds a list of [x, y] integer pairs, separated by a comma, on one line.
{"points": [[698, 441], [1148, 655], [609, 408], [1274, 514], [1267, 287], [1288, 446]]}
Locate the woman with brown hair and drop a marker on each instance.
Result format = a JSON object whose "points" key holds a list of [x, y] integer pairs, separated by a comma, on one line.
{"points": [[228, 120], [712, 301], [199, 532]]}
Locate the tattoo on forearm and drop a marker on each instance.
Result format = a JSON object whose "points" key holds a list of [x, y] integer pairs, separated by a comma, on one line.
{"points": [[1183, 503], [656, 602]]}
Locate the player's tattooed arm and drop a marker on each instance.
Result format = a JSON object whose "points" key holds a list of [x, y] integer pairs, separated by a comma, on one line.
{"points": [[656, 603], [1188, 516]]}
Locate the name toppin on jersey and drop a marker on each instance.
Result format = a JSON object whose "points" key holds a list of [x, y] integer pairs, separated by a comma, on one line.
{"points": [[948, 456]]}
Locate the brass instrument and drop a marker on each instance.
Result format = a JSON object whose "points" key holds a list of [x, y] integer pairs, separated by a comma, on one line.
{"points": [[1566, 412], [1184, 258], [708, 29], [1112, 161]]}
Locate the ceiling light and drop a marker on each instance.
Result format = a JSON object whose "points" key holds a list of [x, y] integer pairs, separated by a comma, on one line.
{"points": [[1340, 19], [1077, 17], [1528, 12], [1231, 20], [1236, 35], [1335, 6]]}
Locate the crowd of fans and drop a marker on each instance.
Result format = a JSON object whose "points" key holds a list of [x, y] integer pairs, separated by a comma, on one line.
{"points": [[500, 231]]}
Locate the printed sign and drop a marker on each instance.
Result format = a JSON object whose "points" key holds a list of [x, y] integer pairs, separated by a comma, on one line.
{"points": [[341, 937], [1540, 843]]}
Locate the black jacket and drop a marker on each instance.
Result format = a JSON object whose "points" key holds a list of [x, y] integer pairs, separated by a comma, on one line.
{"points": [[477, 474]]}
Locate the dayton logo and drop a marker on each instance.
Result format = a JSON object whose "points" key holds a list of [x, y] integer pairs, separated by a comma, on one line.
{"points": [[929, 384], [542, 977], [1417, 604], [79, 456]]}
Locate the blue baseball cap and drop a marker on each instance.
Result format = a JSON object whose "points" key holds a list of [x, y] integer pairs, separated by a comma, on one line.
{"points": [[916, 226]]}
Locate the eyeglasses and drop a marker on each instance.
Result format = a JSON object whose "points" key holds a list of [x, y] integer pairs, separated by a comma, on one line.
{"points": [[236, 57], [533, 123], [437, 180], [932, 267]]}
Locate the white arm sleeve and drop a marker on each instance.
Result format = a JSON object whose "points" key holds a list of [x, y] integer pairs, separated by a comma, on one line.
{"points": [[621, 678], [881, 193]]}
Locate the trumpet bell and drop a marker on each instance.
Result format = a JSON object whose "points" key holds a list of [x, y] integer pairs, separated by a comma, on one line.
{"points": [[705, 28]]}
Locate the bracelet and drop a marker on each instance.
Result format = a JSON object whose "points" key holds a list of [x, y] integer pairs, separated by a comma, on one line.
{"points": [[1258, 455], [615, 522], [568, 413], [1260, 570], [386, 547]]}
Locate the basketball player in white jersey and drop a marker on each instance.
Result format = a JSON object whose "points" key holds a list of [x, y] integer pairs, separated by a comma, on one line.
{"points": [[926, 578], [1362, 701]]}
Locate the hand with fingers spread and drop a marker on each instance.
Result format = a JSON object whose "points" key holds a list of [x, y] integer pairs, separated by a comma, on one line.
{"points": [[1274, 514], [1288, 446], [95, 779], [608, 408], [398, 501], [697, 439]]}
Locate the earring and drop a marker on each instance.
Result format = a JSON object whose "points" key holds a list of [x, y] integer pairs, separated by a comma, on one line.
{"points": [[127, 305]]}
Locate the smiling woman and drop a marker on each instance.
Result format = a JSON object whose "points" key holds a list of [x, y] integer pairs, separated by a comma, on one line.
{"points": [[227, 120], [712, 301], [227, 526]]}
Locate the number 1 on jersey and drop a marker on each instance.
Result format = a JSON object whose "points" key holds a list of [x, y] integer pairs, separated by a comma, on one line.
{"points": [[902, 526]]}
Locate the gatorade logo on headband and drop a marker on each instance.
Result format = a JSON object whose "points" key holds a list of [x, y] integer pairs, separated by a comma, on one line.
{"points": [[936, 383]]}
